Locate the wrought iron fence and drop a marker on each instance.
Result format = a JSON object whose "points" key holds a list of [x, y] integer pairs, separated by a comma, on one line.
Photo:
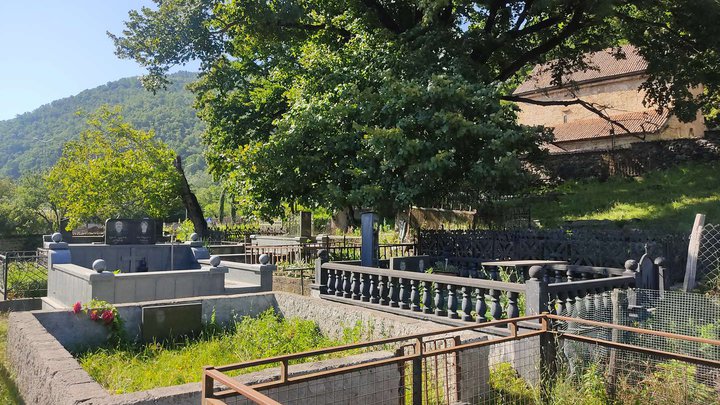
{"points": [[307, 253], [24, 275], [580, 247]]}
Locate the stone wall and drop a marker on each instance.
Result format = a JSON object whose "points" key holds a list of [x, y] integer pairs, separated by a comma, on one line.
{"points": [[638, 158], [293, 285]]}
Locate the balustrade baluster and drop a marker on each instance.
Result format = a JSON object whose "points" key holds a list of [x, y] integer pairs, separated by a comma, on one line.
{"points": [[339, 283], [404, 294], [355, 285], [569, 274], [569, 303], [562, 304], [480, 305], [580, 304], [415, 296], [440, 309], [374, 291], [347, 287], [427, 297], [495, 307], [558, 276], [597, 304], [512, 310], [452, 302], [365, 287], [467, 304], [330, 281], [384, 290], [394, 292]]}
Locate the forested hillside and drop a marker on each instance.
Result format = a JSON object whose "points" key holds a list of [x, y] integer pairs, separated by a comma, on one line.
{"points": [[34, 140]]}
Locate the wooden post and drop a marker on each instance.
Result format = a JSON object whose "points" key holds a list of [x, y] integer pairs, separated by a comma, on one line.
{"points": [[693, 249]]}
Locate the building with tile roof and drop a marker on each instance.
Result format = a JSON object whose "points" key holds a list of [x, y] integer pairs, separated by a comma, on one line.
{"points": [[610, 84]]}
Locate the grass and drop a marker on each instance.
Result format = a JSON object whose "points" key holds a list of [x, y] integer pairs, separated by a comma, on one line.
{"points": [[129, 368], [671, 382], [8, 391], [666, 199]]}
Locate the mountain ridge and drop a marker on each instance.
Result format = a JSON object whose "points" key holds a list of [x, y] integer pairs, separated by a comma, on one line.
{"points": [[33, 141]]}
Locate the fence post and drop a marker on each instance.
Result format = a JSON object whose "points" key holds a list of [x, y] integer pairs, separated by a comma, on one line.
{"points": [[536, 296], [417, 385], [6, 268], [320, 276], [662, 275], [693, 250]]}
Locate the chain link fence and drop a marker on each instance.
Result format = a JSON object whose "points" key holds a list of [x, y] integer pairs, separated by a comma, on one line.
{"points": [[24, 275], [708, 259]]}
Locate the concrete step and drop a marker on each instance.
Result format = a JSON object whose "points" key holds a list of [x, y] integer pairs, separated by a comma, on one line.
{"points": [[238, 287]]}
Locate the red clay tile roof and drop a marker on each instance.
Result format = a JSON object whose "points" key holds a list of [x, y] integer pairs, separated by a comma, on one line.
{"points": [[644, 122], [603, 65]]}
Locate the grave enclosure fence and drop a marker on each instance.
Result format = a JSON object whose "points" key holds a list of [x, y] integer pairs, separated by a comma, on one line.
{"points": [[586, 247], [529, 364], [24, 275]]}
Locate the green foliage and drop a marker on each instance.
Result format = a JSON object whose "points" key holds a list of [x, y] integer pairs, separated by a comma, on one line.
{"points": [[390, 104], [509, 386], [139, 367], [114, 170], [181, 230], [665, 199], [32, 142], [673, 382], [25, 207]]}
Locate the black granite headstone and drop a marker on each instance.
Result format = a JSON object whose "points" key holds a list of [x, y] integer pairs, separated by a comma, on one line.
{"points": [[130, 232]]}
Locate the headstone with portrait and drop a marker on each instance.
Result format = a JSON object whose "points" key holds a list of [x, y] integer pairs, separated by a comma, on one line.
{"points": [[130, 232]]}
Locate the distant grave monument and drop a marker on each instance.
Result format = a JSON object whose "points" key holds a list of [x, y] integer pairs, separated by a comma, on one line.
{"points": [[130, 232]]}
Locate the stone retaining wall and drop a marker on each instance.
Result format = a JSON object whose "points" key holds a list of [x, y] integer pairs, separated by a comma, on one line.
{"points": [[638, 158]]}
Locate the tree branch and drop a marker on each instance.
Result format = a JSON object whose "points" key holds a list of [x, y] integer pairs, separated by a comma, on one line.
{"points": [[575, 24], [592, 107], [383, 16]]}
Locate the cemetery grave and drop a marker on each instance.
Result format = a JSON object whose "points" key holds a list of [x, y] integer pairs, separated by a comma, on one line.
{"points": [[132, 267]]}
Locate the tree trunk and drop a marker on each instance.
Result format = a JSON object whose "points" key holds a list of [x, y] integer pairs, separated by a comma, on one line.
{"points": [[221, 213], [194, 211]]}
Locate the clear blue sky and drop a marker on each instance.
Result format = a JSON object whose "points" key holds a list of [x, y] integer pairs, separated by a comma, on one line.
{"points": [[53, 49]]}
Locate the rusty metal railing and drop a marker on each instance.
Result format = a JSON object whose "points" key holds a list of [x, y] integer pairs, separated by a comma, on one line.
{"points": [[421, 381]]}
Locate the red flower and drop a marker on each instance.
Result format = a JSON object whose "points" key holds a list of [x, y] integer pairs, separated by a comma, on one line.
{"points": [[94, 315], [107, 317], [77, 307]]}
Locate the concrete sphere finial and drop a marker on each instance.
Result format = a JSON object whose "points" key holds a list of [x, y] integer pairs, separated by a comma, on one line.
{"points": [[323, 254], [630, 265], [194, 237], [99, 265], [536, 272], [264, 258], [660, 261], [56, 237], [215, 260]]}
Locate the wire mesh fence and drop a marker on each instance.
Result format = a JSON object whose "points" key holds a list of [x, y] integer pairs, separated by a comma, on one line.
{"points": [[687, 314], [575, 362], [24, 275], [708, 260]]}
